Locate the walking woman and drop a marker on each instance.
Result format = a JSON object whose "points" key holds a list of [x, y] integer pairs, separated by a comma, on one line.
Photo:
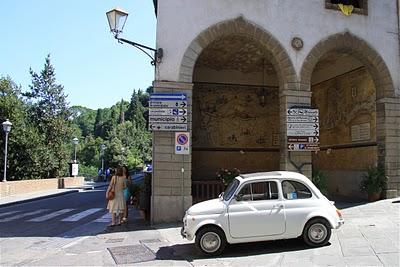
{"points": [[127, 194], [116, 206]]}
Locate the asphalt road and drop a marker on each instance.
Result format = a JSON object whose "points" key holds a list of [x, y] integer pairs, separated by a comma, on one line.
{"points": [[55, 217]]}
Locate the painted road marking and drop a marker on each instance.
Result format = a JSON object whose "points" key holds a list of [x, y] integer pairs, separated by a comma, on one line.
{"points": [[8, 213], [50, 215], [105, 218], [80, 215], [19, 216]]}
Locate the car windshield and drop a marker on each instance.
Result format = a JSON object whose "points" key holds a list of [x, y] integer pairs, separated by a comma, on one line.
{"points": [[230, 190]]}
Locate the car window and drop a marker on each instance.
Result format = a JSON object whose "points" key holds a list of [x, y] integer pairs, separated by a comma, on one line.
{"points": [[231, 189], [245, 193], [295, 190], [264, 190], [258, 191]]}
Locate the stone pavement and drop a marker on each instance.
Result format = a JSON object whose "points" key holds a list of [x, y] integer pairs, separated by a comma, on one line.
{"points": [[369, 237]]}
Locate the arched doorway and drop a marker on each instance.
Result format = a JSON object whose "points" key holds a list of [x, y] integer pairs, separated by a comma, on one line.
{"points": [[352, 87], [238, 71]]}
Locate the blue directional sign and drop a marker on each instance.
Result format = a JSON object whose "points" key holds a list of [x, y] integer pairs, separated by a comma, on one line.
{"points": [[167, 112], [170, 97]]}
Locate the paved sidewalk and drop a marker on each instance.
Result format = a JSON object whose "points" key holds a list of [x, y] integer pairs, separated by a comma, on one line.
{"points": [[22, 198], [369, 237]]}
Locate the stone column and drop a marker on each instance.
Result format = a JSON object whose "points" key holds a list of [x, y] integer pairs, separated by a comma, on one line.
{"points": [[388, 139], [290, 97], [172, 173]]}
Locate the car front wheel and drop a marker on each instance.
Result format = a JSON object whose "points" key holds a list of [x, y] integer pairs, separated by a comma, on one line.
{"points": [[211, 241], [317, 232]]}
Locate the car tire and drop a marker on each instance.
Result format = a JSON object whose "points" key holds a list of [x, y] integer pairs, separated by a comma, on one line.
{"points": [[211, 240], [317, 232]]}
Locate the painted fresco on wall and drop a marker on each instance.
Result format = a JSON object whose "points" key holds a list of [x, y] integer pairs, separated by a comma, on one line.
{"points": [[235, 116], [347, 108], [347, 117]]}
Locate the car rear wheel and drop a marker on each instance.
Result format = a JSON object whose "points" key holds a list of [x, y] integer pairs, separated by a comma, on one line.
{"points": [[317, 232], [210, 240]]}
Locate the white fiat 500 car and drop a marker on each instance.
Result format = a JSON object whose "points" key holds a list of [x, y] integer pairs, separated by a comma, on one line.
{"points": [[260, 207]]}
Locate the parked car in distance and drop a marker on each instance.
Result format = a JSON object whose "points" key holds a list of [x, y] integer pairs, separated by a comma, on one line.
{"points": [[260, 207]]}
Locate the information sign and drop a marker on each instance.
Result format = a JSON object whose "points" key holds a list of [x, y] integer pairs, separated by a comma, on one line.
{"points": [[182, 143], [302, 129], [167, 112]]}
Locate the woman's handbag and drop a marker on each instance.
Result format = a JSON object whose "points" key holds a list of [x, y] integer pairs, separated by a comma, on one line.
{"points": [[111, 193]]}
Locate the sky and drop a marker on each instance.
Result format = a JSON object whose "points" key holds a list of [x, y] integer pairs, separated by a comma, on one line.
{"points": [[95, 70]]}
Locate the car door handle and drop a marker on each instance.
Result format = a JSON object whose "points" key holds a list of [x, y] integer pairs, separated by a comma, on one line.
{"points": [[278, 206]]}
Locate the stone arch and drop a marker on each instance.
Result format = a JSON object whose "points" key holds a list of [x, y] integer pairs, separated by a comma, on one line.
{"points": [[386, 100], [361, 50], [239, 26]]}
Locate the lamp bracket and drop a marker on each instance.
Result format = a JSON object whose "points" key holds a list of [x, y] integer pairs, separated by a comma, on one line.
{"points": [[158, 53]]}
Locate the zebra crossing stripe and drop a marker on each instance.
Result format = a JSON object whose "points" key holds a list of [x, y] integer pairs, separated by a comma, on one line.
{"points": [[80, 215], [19, 216], [50, 215], [105, 218], [8, 213]]}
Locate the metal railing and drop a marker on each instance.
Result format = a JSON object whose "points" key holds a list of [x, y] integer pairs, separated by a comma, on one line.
{"points": [[204, 190]]}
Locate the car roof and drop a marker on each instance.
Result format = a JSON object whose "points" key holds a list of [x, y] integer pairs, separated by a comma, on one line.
{"points": [[273, 174]]}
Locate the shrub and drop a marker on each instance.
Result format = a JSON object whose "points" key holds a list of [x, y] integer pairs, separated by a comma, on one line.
{"points": [[374, 180], [320, 180]]}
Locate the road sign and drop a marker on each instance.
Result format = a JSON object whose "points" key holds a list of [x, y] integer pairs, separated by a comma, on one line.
{"points": [[303, 147], [300, 118], [168, 104], [303, 111], [178, 96], [167, 127], [300, 132], [167, 119], [182, 143], [302, 129], [303, 126], [167, 112]]}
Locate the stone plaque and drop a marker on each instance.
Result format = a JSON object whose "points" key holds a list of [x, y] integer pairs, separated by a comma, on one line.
{"points": [[361, 132]]}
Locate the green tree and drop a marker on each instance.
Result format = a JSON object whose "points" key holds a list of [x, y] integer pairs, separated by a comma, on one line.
{"points": [[49, 111], [27, 149]]}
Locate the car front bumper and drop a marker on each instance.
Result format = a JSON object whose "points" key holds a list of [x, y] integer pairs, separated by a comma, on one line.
{"points": [[340, 223]]}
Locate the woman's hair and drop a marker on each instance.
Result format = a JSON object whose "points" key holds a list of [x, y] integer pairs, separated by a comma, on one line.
{"points": [[126, 170], [119, 171]]}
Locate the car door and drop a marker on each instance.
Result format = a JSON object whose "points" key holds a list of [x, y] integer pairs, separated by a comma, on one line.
{"points": [[256, 211]]}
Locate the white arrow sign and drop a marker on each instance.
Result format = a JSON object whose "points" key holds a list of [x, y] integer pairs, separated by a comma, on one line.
{"points": [[168, 119], [300, 132], [303, 111], [167, 104], [300, 118], [167, 112], [168, 127], [303, 126], [179, 96]]}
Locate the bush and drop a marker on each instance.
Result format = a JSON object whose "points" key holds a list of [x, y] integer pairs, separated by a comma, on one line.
{"points": [[374, 180], [87, 171], [227, 175], [320, 180]]}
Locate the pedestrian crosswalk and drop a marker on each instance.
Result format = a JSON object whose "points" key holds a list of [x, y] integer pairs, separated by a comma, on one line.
{"points": [[62, 215]]}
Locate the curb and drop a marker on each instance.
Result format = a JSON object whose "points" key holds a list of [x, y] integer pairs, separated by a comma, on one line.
{"points": [[75, 190], [37, 198]]}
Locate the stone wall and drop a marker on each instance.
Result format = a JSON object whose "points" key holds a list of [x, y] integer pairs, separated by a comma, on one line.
{"points": [[11, 188]]}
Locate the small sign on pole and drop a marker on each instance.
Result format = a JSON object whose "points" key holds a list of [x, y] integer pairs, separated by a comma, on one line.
{"points": [[182, 143]]}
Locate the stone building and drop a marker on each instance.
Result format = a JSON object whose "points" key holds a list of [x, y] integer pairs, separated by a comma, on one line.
{"points": [[242, 64]]}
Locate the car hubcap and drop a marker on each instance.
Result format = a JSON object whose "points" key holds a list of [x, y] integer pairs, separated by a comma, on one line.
{"points": [[210, 242], [317, 233]]}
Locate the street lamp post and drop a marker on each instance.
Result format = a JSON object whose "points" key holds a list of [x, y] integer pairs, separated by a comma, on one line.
{"points": [[75, 141], [6, 128], [116, 20], [102, 148]]}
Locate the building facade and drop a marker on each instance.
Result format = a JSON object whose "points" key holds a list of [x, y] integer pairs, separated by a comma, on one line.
{"points": [[242, 64]]}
